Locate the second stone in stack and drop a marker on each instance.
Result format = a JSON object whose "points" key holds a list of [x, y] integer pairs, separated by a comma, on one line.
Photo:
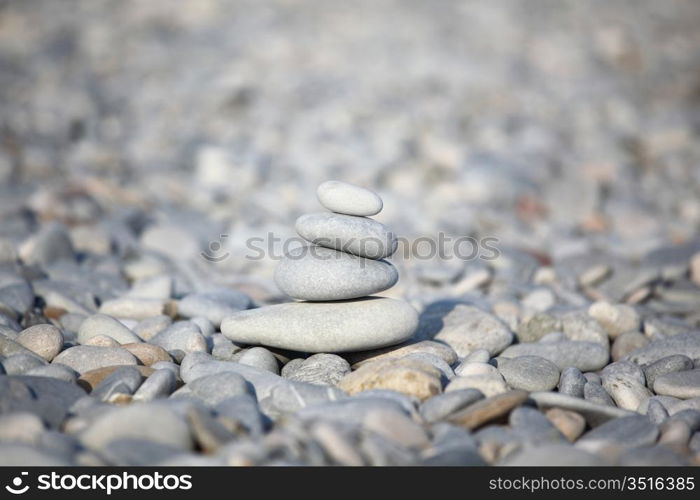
{"points": [[334, 276], [344, 260]]}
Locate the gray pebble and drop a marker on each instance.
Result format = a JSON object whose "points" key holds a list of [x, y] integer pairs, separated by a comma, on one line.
{"points": [[594, 413], [215, 388], [530, 373], [687, 344], [663, 366], [244, 409], [344, 198], [149, 422], [84, 358], [214, 305], [150, 327], [586, 356], [625, 432], [355, 235], [551, 455], [322, 368], [682, 384], [259, 357], [60, 372], [319, 274], [21, 363], [101, 324], [43, 340], [572, 382], [160, 384], [124, 380], [439, 407], [596, 393], [656, 412], [182, 336]]}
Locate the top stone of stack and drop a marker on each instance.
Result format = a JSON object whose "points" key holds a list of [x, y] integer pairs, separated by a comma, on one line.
{"points": [[343, 198]]}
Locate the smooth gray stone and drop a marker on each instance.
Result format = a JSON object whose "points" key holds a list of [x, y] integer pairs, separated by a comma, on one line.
{"points": [[8, 324], [295, 396], [125, 380], [58, 443], [8, 347], [652, 456], [496, 434], [682, 385], [48, 398], [167, 365], [409, 404], [84, 358], [687, 344], [596, 393], [214, 305], [347, 233], [325, 327], [208, 432], [129, 452], [205, 326], [223, 349], [244, 409], [465, 328], [656, 412], [572, 382], [50, 244], [181, 336], [669, 364], [624, 369], [595, 414], [586, 356], [20, 427], [439, 407], [150, 327], [681, 405], [215, 388], [593, 377], [381, 451], [531, 426], [350, 410], [147, 421], [666, 401], [625, 432], [435, 361], [322, 369], [530, 373], [316, 273], [262, 380], [160, 384], [44, 340], [259, 357], [152, 287], [624, 381], [451, 446], [55, 371], [19, 364], [691, 417], [16, 294], [101, 324], [21, 455], [551, 455], [344, 198]]}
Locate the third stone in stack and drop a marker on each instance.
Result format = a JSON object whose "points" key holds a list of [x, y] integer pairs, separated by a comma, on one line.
{"points": [[335, 274]]}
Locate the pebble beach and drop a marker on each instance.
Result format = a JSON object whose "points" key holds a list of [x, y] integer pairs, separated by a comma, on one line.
{"points": [[373, 233]]}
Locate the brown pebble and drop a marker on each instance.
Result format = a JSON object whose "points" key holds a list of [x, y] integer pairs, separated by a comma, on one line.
{"points": [[488, 410], [569, 423], [147, 354], [626, 343], [89, 380]]}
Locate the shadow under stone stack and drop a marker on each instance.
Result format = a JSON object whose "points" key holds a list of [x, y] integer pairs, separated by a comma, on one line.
{"points": [[335, 276]]}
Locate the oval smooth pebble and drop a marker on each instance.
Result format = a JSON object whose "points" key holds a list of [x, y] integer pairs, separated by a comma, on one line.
{"points": [[325, 327], [348, 233], [343, 198]]}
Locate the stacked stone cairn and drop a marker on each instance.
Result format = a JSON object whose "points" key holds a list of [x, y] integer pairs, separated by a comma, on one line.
{"points": [[333, 277]]}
